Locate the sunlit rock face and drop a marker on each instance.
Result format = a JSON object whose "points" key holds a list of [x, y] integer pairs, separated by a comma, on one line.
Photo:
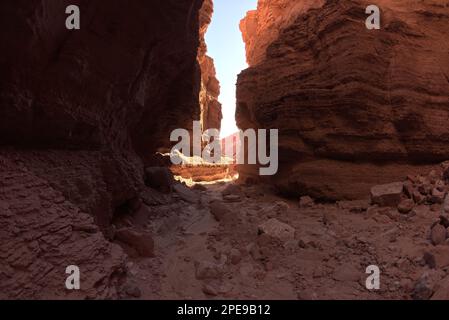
{"points": [[211, 114], [81, 112], [261, 27], [355, 107]]}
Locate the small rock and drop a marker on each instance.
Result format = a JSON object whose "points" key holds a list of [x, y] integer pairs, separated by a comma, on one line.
{"points": [[425, 188], [281, 206], [210, 290], [143, 243], [219, 210], [437, 196], [433, 177], [277, 230], [306, 202], [423, 289], [159, 178], [418, 197], [438, 234], [356, 206], [387, 195], [406, 206], [272, 211], [421, 211], [207, 270], [347, 272]]}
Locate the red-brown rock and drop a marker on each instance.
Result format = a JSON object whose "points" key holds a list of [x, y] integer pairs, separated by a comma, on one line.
{"points": [[354, 107]]}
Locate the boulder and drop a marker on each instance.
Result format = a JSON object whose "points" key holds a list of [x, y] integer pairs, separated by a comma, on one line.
{"points": [[159, 178], [387, 195], [186, 194]]}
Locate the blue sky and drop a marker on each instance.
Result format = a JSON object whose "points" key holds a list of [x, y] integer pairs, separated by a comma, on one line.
{"points": [[226, 47]]}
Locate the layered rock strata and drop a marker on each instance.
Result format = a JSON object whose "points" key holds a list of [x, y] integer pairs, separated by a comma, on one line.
{"points": [[355, 107], [211, 114]]}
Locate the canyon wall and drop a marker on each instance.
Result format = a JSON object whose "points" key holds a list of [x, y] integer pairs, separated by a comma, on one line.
{"points": [[81, 113], [210, 88], [354, 107]]}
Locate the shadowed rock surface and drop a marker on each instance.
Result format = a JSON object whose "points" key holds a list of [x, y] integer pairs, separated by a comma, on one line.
{"points": [[77, 126]]}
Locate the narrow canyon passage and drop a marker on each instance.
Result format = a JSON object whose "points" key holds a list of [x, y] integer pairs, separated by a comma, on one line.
{"points": [[357, 208]]}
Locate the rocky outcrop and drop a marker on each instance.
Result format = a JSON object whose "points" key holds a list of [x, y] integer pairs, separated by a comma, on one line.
{"points": [[42, 232], [261, 27], [81, 113], [355, 107], [210, 88]]}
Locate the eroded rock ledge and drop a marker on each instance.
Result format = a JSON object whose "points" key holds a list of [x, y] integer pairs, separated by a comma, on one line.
{"points": [[355, 107]]}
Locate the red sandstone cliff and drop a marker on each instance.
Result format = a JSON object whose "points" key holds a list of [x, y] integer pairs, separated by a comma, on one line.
{"points": [[262, 26], [210, 88], [355, 107], [80, 113]]}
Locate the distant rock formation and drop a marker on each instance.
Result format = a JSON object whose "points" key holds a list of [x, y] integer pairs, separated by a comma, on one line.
{"points": [[355, 107], [211, 114]]}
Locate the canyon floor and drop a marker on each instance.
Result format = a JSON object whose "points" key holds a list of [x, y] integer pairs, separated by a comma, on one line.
{"points": [[228, 241]]}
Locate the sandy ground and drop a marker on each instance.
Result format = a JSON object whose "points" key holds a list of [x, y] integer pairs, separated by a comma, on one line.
{"points": [[198, 257]]}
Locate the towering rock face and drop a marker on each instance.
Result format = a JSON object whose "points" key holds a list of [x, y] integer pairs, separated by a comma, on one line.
{"points": [[103, 84], [81, 112], [210, 88], [355, 107], [261, 27]]}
